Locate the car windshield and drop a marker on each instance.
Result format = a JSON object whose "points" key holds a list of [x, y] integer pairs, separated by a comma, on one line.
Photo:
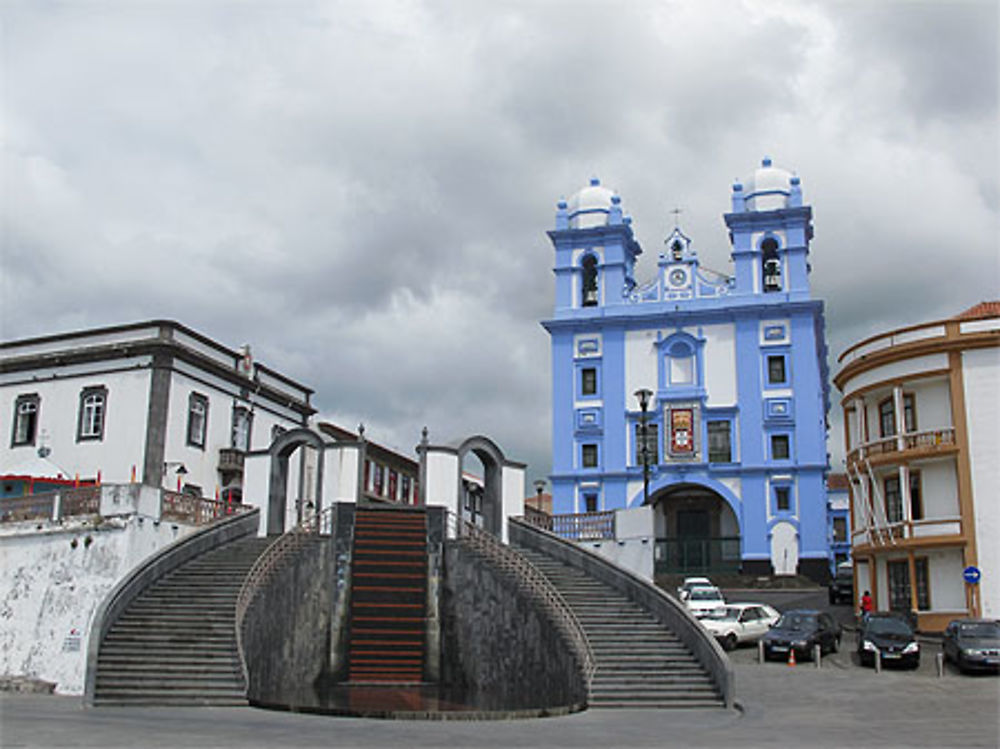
{"points": [[796, 621], [705, 594], [889, 625], [980, 630], [727, 614]]}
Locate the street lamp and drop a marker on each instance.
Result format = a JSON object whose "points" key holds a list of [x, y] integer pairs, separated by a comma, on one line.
{"points": [[644, 394], [539, 488]]}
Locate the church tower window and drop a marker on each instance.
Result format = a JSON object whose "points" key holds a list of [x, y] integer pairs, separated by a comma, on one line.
{"points": [[771, 264], [590, 295]]}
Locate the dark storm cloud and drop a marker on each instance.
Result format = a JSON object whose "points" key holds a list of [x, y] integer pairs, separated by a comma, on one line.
{"points": [[361, 191]]}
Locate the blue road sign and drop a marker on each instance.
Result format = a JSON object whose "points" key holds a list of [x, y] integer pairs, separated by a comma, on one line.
{"points": [[971, 574]]}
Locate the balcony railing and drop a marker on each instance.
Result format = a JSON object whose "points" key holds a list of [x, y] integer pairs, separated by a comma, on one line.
{"points": [[231, 459], [585, 526], [720, 554], [907, 529], [186, 508], [56, 505], [930, 440]]}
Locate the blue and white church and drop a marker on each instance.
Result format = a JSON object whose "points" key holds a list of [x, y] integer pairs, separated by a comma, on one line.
{"points": [[700, 395]]}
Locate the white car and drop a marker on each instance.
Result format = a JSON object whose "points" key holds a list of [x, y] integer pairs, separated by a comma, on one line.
{"points": [[740, 622], [702, 601], [693, 582]]}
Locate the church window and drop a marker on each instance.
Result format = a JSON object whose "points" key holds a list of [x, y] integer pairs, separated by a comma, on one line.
{"points": [[777, 373], [93, 403], [652, 442], [197, 420], [588, 381], [779, 447], [771, 264], [839, 530], [680, 364], [590, 502], [782, 498], [719, 447], [25, 420], [588, 456], [589, 279]]}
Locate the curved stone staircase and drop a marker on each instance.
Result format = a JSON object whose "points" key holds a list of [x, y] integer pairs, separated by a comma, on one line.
{"points": [[175, 644], [640, 662]]}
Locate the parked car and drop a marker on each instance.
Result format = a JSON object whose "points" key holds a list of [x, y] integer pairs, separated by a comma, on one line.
{"points": [[692, 582], [841, 589], [891, 635], [740, 622], [801, 630], [702, 601], [973, 644]]}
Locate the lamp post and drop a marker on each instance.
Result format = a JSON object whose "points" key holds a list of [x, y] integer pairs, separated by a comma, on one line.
{"points": [[644, 394], [539, 488]]}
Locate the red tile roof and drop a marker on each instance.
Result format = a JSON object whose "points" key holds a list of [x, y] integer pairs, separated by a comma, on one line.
{"points": [[837, 481], [978, 311]]}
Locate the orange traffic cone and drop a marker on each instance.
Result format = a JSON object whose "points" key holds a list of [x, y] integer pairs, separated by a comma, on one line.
{"points": [[791, 656]]}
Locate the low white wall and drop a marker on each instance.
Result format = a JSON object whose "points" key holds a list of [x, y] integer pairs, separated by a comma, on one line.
{"points": [[442, 489], [256, 486], [632, 547], [340, 474], [53, 579]]}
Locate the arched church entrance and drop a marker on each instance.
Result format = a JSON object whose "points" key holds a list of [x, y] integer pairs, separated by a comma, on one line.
{"points": [[696, 531], [481, 501]]}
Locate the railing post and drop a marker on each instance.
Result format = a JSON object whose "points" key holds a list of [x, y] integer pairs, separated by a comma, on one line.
{"points": [[817, 655], [939, 664], [878, 661]]}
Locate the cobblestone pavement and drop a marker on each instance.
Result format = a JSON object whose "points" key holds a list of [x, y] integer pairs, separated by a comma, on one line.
{"points": [[780, 707]]}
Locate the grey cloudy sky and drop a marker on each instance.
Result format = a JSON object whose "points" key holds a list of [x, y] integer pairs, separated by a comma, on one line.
{"points": [[361, 190]]}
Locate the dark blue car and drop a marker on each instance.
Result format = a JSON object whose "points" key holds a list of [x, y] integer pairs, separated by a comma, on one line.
{"points": [[973, 644]]}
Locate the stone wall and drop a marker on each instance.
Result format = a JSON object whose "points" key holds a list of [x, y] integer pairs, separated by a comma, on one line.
{"points": [[287, 627], [52, 579], [499, 650]]}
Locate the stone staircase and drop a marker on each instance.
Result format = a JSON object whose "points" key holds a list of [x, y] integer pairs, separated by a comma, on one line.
{"points": [[388, 597], [176, 643], [640, 662]]}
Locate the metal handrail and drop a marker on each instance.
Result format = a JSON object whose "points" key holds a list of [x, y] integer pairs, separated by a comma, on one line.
{"points": [[267, 565], [531, 579]]}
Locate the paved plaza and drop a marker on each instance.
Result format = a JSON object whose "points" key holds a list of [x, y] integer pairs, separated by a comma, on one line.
{"points": [[779, 707]]}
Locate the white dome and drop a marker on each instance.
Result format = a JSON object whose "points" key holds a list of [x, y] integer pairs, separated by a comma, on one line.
{"points": [[768, 189], [590, 206]]}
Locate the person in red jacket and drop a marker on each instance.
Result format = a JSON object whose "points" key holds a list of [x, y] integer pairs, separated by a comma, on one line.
{"points": [[866, 605]]}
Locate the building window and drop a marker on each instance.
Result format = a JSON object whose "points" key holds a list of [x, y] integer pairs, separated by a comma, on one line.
{"points": [[899, 585], [916, 501], [770, 264], [894, 498], [197, 420], [392, 485], [25, 420], [652, 443], [404, 489], [782, 498], [922, 572], [840, 530], [589, 282], [719, 447], [242, 424], [588, 456], [588, 381], [887, 415], [680, 364], [378, 479], [590, 502], [776, 370], [780, 447], [93, 405]]}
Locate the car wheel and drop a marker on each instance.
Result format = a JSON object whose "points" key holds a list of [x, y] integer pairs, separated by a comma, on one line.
{"points": [[729, 642]]}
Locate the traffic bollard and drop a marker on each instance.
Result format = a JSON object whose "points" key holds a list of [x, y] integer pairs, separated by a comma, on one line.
{"points": [[760, 651], [939, 662], [878, 662], [817, 655]]}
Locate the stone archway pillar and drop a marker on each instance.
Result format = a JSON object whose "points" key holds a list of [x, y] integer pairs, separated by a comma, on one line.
{"points": [[440, 484], [256, 473], [512, 495], [342, 465]]}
